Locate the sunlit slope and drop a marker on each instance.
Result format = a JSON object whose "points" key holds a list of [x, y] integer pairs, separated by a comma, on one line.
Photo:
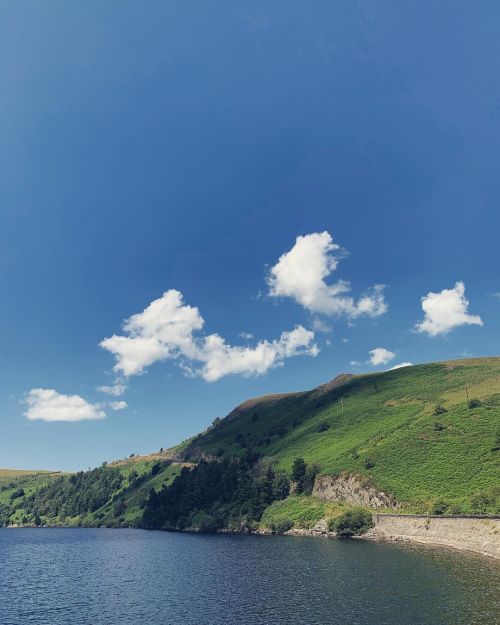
{"points": [[420, 432]]}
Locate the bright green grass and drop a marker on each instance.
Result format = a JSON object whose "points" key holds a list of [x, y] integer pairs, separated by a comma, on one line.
{"points": [[29, 481], [304, 511], [385, 419]]}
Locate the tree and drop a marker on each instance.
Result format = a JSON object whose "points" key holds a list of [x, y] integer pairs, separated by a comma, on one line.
{"points": [[119, 508], [298, 469], [155, 469]]}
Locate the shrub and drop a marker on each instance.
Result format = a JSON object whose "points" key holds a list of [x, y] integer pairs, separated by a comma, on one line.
{"points": [[280, 527], [119, 508], [439, 410], [368, 463], [438, 506], [323, 427], [439, 427], [155, 469], [204, 522], [354, 522], [496, 444], [17, 493], [486, 502], [474, 403], [307, 482]]}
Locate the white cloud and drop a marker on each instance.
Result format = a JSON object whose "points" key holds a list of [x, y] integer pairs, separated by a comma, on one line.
{"points": [[220, 359], [300, 274], [166, 330], [163, 330], [248, 336], [401, 365], [49, 405], [118, 405], [446, 310], [321, 326], [380, 356], [355, 363], [116, 389]]}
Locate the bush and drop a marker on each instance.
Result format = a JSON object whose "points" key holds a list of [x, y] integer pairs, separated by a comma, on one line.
{"points": [[368, 463], [474, 403], [486, 502], [119, 508], [204, 523], [16, 494], [156, 468], [354, 522], [439, 427], [280, 527], [438, 506], [439, 410], [323, 427]]}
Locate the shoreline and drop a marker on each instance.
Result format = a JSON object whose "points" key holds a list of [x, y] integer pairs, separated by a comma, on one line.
{"points": [[475, 534]]}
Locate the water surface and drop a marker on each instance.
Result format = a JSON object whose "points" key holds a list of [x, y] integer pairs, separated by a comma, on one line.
{"points": [[114, 577]]}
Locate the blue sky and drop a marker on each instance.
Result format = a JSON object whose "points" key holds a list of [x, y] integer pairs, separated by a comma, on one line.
{"points": [[156, 147]]}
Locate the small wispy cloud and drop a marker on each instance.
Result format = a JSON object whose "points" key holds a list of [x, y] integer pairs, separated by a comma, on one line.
{"points": [[401, 365], [115, 389], [118, 405]]}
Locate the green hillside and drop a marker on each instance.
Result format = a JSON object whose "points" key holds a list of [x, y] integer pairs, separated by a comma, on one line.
{"points": [[419, 432], [427, 435], [110, 495]]}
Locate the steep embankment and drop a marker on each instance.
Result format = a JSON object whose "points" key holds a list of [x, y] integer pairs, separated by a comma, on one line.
{"points": [[418, 433]]}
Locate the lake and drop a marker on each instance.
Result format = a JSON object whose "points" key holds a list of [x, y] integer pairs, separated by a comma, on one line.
{"points": [[112, 577]]}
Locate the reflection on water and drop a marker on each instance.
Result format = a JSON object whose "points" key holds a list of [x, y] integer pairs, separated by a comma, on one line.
{"points": [[112, 577]]}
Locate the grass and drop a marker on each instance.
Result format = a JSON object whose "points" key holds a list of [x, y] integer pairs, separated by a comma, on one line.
{"points": [[383, 425], [304, 511], [387, 422], [30, 481]]}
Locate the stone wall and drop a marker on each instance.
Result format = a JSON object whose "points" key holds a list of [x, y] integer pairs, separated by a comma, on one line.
{"points": [[481, 535]]}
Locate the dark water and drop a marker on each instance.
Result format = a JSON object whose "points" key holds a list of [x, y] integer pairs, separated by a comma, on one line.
{"points": [[108, 577]]}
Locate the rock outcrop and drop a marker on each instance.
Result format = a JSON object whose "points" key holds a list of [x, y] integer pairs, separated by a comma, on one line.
{"points": [[352, 489]]}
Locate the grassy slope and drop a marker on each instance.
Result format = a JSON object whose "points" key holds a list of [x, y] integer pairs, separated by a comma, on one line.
{"points": [[13, 479], [131, 496], [304, 511], [387, 419]]}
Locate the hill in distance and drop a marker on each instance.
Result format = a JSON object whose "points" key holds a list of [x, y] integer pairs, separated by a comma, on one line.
{"points": [[421, 434]]}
